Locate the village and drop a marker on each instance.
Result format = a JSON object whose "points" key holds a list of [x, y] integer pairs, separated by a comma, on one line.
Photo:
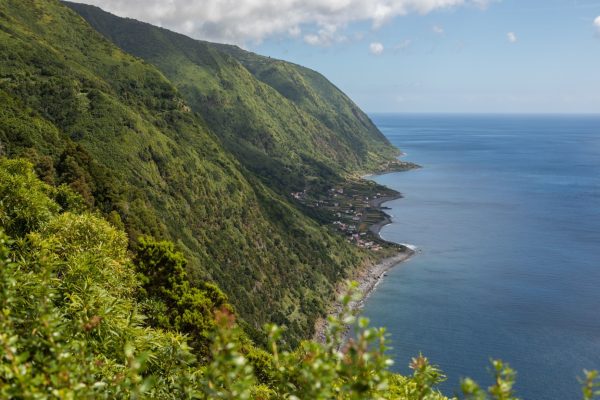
{"points": [[353, 209]]}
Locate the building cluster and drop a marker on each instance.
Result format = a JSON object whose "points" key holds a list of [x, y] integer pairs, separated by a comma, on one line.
{"points": [[349, 209], [351, 229], [299, 195], [366, 244]]}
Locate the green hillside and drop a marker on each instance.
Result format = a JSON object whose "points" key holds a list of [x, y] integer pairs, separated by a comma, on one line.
{"points": [[116, 130], [286, 123], [80, 319]]}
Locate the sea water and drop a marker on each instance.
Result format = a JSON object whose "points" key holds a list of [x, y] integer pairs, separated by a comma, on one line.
{"points": [[506, 215]]}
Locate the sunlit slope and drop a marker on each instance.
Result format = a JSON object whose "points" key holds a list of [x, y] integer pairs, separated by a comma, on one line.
{"points": [[286, 123], [119, 132]]}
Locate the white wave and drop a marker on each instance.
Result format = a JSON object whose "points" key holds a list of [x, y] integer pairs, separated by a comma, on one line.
{"points": [[410, 246]]}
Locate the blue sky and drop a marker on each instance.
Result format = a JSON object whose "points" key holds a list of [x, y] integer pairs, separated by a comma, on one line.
{"points": [[465, 56], [462, 59]]}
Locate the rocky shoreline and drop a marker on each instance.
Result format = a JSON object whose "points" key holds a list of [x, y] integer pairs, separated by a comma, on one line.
{"points": [[369, 276]]}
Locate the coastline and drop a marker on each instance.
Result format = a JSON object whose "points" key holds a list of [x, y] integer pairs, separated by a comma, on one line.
{"points": [[368, 276], [378, 203]]}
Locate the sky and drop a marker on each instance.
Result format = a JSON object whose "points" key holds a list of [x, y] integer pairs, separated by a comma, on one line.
{"points": [[414, 56]]}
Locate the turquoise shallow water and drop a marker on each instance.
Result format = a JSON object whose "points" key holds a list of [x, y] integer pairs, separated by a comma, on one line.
{"points": [[506, 213]]}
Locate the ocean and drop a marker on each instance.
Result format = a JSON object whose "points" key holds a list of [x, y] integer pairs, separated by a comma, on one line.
{"points": [[506, 215]]}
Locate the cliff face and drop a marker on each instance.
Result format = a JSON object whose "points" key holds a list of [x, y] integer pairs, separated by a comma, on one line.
{"points": [[284, 122], [200, 148]]}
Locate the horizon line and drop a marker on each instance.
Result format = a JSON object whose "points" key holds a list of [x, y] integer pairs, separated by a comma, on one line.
{"points": [[475, 113]]}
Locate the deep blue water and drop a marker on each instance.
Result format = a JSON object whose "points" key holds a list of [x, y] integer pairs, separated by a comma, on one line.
{"points": [[506, 213]]}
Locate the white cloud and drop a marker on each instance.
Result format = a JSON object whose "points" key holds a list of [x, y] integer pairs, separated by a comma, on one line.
{"points": [[376, 48], [325, 36], [438, 30], [597, 23], [295, 31], [312, 39], [239, 21], [512, 37]]}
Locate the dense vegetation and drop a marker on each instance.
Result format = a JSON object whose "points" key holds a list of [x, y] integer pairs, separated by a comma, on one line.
{"points": [[80, 319], [115, 130], [287, 124]]}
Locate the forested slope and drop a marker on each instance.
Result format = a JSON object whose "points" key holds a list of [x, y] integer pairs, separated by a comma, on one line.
{"points": [[116, 130], [80, 319], [286, 123]]}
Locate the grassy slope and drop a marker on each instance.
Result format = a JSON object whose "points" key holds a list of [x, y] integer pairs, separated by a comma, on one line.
{"points": [[314, 94], [286, 123], [160, 168]]}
